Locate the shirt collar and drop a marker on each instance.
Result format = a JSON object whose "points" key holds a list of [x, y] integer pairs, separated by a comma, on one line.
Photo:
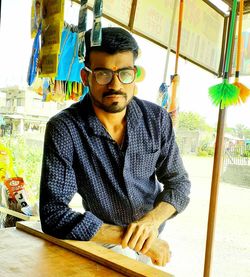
{"points": [[134, 113]]}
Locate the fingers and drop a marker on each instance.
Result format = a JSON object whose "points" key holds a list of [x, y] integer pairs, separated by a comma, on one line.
{"points": [[141, 242], [147, 244], [168, 256], [128, 235], [138, 238], [160, 254], [135, 238], [156, 262], [162, 260]]}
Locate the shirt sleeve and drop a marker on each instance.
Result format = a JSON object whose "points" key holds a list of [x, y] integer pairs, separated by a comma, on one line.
{"points": [[170, 170], [58, 186]]}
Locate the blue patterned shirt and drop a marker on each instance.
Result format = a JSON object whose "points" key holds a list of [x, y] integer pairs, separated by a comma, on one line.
{"points": [[118, 185]]}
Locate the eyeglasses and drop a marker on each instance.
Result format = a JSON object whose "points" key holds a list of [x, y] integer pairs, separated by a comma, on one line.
{"points": [[104, 76]]}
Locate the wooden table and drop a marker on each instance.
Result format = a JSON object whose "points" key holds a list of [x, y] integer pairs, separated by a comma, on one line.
{"points": [[27, 251]]}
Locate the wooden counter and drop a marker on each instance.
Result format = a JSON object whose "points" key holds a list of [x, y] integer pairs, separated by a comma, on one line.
{"points": [[27, 251]]}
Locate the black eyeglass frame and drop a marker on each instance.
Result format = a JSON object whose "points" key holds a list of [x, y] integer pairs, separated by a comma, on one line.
{"points": [[117, 72]]}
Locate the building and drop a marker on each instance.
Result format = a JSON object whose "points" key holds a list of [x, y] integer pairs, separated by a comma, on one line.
{"points": [[24, 113]]}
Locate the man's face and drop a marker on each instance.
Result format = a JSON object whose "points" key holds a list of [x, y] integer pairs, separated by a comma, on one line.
{"points": [[114, 96]]}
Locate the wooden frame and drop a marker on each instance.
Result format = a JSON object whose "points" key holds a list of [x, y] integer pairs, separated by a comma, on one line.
{"points": [[97, 253]]}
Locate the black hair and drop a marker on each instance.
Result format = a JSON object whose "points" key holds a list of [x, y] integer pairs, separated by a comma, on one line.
{"points": [[114, 40]]}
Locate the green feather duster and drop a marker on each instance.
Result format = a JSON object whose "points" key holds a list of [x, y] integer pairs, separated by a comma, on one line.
{"points": [[224, 94]]}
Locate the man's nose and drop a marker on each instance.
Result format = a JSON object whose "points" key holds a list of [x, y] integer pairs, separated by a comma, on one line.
{"points": [[115, 83]]}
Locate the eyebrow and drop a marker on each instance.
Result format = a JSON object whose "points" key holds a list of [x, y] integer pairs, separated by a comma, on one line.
{"points": [[104, 68]]}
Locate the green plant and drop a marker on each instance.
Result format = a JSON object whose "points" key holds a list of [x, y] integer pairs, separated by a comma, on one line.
{"points": [[210, 151], [246, 154], [27, 160], [202, 153]]}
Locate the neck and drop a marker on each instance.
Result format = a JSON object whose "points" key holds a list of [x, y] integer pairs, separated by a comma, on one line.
{"points": [[114, 123], [110, 120]]}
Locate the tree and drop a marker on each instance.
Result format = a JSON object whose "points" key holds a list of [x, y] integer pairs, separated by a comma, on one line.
{"points": [[241, 131], [192, 121]]}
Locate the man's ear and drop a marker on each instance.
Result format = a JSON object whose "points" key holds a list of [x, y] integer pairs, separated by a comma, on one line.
{"points": [[84, 77]]}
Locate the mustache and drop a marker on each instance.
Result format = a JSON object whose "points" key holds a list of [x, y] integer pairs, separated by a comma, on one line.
{"points": [[114, 92]]}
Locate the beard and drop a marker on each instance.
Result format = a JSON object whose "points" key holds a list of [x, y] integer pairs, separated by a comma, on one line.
{"points": [[111, 106]]}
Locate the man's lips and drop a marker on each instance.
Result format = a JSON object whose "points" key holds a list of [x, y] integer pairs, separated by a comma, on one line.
{"points": [[114, 95]]}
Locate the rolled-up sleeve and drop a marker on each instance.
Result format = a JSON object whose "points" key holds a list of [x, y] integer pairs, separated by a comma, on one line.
{"points": [[58, 186], [170, 170]]}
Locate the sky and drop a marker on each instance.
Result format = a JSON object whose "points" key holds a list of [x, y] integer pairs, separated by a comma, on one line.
{"points": [[16, 45]]}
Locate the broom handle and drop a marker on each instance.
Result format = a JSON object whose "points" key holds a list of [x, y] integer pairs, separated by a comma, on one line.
{"points": [[239, 47], [169, 41], [217, 165], [179, 36], [230, 40], [173, 102]]}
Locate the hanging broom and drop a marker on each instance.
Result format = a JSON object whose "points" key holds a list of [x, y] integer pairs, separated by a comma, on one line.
{"points": [[226, 94], [173, 105], [163, 90], [244, 91]]}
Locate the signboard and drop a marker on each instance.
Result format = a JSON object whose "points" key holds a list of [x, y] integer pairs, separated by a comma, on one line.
{"points": [[245, 61], [202, 29]]}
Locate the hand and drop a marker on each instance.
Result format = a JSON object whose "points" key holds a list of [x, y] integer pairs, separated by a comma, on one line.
{"points": [[159, 252], [140, 235]]}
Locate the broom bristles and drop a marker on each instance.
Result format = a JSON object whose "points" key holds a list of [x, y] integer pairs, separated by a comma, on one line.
{"points": [[244, 92], [224, 94]]}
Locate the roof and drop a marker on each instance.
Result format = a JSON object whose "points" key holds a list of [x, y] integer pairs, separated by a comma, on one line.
{"points": [[246, 5]]}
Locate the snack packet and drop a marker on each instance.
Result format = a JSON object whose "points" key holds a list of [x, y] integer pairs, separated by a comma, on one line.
{"points": [[17, 193]]}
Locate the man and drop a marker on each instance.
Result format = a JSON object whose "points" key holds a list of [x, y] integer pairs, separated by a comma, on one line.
{"points": [[114, 150]]}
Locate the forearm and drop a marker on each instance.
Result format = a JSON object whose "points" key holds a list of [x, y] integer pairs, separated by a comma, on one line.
{"points": [[109, 234], [158, 250], [62, 222], [159, 214]]}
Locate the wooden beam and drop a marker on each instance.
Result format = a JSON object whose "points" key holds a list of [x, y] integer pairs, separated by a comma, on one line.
{"points": [[214, 7], [97, 253], [246, 5], [18, 215], [132, 15]]}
